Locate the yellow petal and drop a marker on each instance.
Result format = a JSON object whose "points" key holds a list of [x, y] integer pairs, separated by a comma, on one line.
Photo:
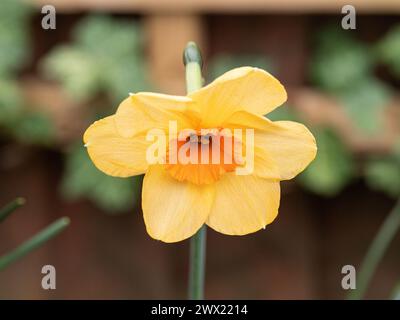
{"points": [[282, 148], [245, 88], [113, 154], [243, 204], [173, 210], [143, 111]]}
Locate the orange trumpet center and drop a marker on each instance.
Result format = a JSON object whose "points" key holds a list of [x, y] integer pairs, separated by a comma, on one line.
{"points": [[202, 157]]}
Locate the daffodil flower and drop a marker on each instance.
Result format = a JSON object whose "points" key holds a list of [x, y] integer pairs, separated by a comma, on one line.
{"points": [[179, 198]]}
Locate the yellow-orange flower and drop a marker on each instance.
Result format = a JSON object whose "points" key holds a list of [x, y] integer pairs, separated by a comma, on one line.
{"points": [[177, 199]]}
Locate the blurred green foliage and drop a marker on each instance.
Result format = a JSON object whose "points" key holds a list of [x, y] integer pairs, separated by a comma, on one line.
{"points": [[383, 172], [11, 103], [105, 56], [343, 67], [333, 166], [34, 128], [14, 36], [339, 61], [17, 117], [364, 102], [396, 292], [83, 179], [388, 50]]}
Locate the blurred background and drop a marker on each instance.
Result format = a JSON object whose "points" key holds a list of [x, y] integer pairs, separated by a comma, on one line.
{"points": [[344, 84]]}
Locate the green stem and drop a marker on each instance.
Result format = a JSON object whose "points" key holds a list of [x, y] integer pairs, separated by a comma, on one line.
{"points": [[193, 63], [35, 242], [197, 264], [376, 251], [10, 208], [193, 77], [395, 295], [194, 81]]}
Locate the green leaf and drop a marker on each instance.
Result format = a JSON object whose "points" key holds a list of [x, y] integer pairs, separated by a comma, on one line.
{"points": [[339, 60], [34, 128], [388, 49], [14, 35], [106, 37], [376, 251], [395, 295], [77, 71], [333, 167], [105, 57], [27, 126], [365, 103], [12, 10], [83, 179], [11, 103], [35, 242], [383, 174], [9, 208], [396, 149]]}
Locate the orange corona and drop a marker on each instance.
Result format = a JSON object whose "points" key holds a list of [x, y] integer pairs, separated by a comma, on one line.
{"points": [[204, 156]]}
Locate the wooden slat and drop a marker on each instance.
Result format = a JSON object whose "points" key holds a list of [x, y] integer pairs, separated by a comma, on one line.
{"points": [[223, 6], [166, 36]]}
